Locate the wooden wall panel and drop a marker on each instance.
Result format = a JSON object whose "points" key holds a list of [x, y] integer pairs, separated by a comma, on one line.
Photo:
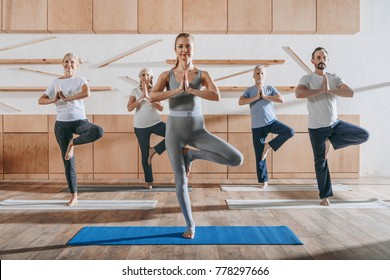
{"points": [[25, 123], [119, 16], [205, 16], [70, 16], [26, 153], [216, 123], [1, 156], [250, 16], [163, 16], [338, 17], [297, 122], [239, 123], [295, 156], [115, 123], [294, 16], [116, 153], [25, 15]]}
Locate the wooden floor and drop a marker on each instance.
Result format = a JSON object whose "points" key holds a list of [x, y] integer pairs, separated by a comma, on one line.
{"points": [[327, 234]]}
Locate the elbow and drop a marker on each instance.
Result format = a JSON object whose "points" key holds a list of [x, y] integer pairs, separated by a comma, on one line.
{"points": [[298, 94]]}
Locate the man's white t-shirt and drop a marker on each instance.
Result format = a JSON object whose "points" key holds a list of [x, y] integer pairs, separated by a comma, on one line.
{"points": [[322, 108]]}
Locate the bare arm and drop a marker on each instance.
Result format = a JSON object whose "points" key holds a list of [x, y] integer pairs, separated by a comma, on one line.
{"points": [[45, 100], [304, 92], [158, 93], [247, 100], [84, 93], [343, 91]]}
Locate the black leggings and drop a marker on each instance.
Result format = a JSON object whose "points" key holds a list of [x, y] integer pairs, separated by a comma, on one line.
{"points": [[88, 132]]}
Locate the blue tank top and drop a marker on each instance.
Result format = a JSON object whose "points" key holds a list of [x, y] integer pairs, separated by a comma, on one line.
{"points": [[185, 101]]}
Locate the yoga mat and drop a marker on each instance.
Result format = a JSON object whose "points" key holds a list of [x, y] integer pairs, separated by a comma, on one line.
{"points": [[301, 203], [279, 188], [170, 235], [105, 188], [10, 204]]}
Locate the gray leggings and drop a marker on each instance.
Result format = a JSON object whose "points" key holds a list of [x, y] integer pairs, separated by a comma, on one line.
{"points": [[183, 131], [88, 132]]}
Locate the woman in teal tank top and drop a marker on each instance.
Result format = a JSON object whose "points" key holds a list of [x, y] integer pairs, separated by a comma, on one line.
{"points": [[184, 86]]}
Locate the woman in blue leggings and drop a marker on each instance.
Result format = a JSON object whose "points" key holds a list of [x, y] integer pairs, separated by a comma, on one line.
{"points": [[67, 93], [185, 125]]}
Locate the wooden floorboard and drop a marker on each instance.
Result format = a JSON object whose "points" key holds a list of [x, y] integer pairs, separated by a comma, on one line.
{"points": [[327, 234]]}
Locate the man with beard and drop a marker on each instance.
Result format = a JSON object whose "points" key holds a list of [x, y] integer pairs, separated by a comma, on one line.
{"points": [[321, 90]]}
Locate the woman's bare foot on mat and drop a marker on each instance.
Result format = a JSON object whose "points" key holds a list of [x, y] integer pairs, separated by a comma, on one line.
{"points": [[189, 235], [73, 200]]}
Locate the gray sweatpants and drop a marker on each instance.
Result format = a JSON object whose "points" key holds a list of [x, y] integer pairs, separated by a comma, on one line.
{"points": [[182, 131]]}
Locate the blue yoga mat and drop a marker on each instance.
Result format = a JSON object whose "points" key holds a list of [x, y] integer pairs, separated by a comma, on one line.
{"points": [[169, 235]]}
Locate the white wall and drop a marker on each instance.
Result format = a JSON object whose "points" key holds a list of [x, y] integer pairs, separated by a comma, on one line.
{"points": [[361, 59]]}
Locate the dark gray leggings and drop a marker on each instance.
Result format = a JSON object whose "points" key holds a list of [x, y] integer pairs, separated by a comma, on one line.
{"points": [[191, 131], [88, 132]]}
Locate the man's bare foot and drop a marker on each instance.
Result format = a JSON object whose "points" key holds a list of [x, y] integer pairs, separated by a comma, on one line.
{"points": [[148, 185], [69, 151], [265, 151], [187, 161], [73, 200], [189, 235], [327, 146], [325, 202], [264, 185], [152, 152]]}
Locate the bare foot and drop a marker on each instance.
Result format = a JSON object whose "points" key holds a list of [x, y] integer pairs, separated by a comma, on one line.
{"points": [[186, 161], [265, 151], [152, 152], [148, 185], [69, 151], [263, 185], [189, 235], [327, 146], [325, 202], [73, 200]]}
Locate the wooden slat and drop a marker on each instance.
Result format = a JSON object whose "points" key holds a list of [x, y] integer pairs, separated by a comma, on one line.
{"points": [[26, 43], [42, 89], [32, 61], [233, 61], [129, 52], [243, 88]]}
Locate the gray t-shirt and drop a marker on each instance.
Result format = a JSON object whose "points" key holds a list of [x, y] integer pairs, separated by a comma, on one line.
{"points": [[146, 115], [323, 107], [68, 110]]}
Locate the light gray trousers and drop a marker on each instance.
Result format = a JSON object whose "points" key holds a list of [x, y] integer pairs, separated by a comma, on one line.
{"points": [[182, 131]]}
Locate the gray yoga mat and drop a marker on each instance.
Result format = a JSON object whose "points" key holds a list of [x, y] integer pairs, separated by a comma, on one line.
{"points": [[11, 204], [301, 204]]}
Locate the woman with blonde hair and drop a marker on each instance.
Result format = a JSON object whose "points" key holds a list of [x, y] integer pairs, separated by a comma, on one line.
{"points": [[68, 93]]}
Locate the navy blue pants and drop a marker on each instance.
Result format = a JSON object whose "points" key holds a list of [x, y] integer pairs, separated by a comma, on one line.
{"points": [[259, 136], [342, 134], [88, 132], [143, 136]]}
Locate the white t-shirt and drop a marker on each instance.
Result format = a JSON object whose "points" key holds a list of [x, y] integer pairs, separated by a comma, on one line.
{"points": [[146, 115], [322, 108], [68, 110]]}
